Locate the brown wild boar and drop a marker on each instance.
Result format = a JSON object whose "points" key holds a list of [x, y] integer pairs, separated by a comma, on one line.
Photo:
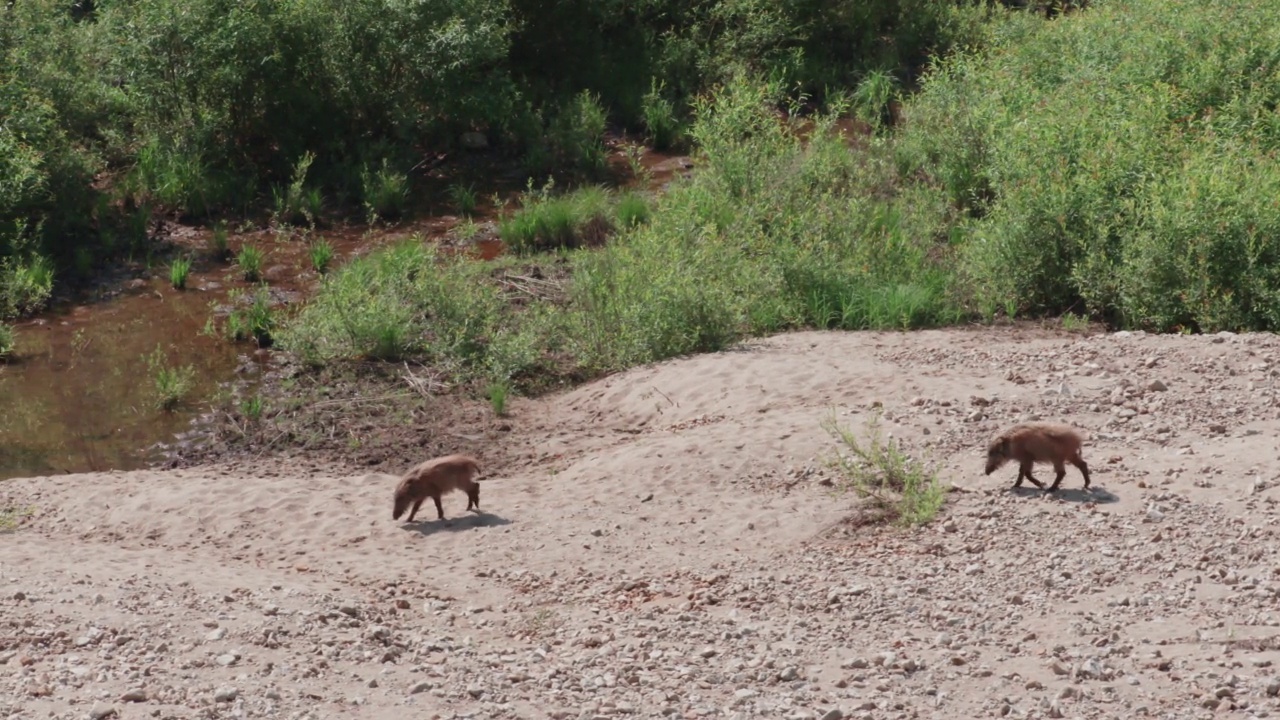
{"points": [[1038, 442], [436, 477]]}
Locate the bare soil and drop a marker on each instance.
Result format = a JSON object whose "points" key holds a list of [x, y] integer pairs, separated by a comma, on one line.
{"points": [[669, 542]]}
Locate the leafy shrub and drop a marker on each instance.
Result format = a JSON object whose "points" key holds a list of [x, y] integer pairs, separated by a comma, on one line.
{"points": [[1117, 161], [406, 299], [25, 285]]}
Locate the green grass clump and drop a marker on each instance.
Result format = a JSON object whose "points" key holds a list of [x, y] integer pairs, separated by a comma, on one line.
{"points": [[464, 198], [631, 210], [497, 392], [250, 261], [251, 407], [666, 131], [321, 254], [171, 384], [218, 246], [900, 488], [11, 517], [179, 269], [8, 341], [256, 322], [582, 218], [382, 306], [386, 192], [25, 285]]}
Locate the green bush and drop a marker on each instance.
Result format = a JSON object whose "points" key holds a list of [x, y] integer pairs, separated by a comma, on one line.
{"points": [[404, 300], [25, 285], [1120, 160], [772, 233]]}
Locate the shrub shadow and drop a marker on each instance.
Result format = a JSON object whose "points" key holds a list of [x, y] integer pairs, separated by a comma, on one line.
{"points": [[1094, 494], [455, 524]]}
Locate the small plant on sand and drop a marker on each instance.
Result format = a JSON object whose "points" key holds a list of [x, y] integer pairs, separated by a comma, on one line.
{"points": [[179, 269], [218, 247], [171, 383], [464, 197], [321, 255], [901, 489], [10, 517], [251, 407], [7, 341], [1072, 322], [250, 262], [497, 392]]}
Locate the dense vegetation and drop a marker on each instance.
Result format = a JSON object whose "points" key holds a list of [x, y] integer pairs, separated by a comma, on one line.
{"points": [[1116, 161], [111, 110]]}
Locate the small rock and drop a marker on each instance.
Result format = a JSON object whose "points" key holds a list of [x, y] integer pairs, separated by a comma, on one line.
{"points": [[1157, 386], [833, 714], [135, 695], [420, 688], [789, 673], [226, 660], [102, 711], [216, 635], [225, 694]]}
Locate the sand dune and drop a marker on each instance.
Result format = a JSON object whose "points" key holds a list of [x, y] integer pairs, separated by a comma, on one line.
{"points": [[668, 542]]}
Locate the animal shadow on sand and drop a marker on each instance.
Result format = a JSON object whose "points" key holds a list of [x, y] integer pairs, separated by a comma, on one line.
{"points": [[457, 523], [1094, 494]]}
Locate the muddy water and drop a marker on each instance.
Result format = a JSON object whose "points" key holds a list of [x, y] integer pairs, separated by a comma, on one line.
{"points": [[79, 394]]}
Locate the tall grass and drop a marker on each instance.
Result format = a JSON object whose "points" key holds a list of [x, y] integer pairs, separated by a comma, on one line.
{"points": [[250, 262], [586, 217], [385, 192], [179, 270]]}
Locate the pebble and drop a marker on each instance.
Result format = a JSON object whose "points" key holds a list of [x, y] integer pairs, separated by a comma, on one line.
{"points": [[225, 694]]}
